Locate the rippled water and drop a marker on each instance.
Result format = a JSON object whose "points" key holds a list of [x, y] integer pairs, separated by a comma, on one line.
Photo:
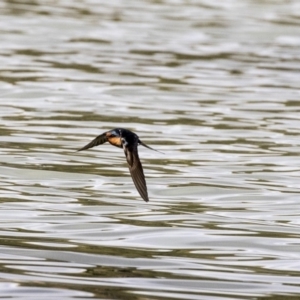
{"points": [[212, 84]]}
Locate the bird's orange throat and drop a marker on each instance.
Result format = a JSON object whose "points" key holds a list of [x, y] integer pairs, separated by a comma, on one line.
{"points": [[115, 141]]}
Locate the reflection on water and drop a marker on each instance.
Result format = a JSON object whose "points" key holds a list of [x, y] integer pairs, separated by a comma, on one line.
{"points": [[214, 86]]}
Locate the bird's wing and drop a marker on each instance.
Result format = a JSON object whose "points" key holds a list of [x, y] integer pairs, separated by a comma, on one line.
{"points": [[136, 171], [100, 139]]}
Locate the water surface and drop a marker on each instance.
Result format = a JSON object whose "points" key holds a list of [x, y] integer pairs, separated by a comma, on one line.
{"points": [[215, 86]]}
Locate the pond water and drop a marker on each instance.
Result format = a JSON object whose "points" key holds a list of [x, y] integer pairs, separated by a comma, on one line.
{"points": [[214, 85]]}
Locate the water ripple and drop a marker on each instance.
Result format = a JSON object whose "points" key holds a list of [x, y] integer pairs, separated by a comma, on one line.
{"points": [[214, 86]]}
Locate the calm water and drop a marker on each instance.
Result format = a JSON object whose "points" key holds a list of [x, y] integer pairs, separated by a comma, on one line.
{"points": [[212, 84]]}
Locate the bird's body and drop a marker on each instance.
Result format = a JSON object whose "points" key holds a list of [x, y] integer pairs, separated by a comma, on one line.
{"points": [[129, 141]]}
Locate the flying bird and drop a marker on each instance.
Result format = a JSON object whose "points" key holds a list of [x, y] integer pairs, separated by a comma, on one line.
{"points": [[129, 141]]}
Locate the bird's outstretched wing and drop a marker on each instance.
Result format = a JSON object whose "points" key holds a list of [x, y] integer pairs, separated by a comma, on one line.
{"points": [[100, 139], [136, 171]]}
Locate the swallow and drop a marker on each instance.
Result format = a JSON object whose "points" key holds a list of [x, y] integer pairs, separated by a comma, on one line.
{"points": [[129, 141]]}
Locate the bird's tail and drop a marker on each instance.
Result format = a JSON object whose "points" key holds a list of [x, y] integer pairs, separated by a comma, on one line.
{"points": [[143, 144]]}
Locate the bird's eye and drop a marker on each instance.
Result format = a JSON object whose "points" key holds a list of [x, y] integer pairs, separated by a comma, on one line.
{"points": [[113, 134]]}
